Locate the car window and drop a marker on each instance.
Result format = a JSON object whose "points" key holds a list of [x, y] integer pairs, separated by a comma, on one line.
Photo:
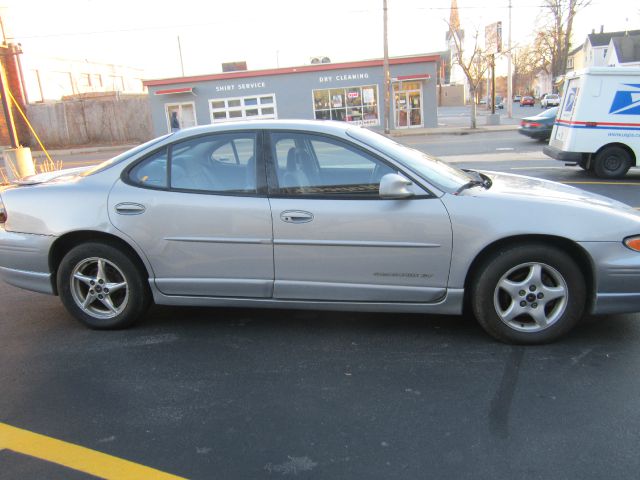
{"points": [[223, 163], [152, 171], [314, 165], [437, 172]]}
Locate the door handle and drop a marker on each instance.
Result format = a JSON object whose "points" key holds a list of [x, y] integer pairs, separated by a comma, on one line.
{"points": [[128, 208], [296, 216]]}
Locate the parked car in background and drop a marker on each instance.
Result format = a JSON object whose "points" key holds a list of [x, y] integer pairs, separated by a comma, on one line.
{"points": [[317, 215], [539, 126], [530, 101], [550, 100], [517, 98]]}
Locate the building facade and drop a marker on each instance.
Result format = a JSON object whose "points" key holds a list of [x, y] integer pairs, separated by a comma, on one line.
{"points": [[51, 79], [352, 92]]}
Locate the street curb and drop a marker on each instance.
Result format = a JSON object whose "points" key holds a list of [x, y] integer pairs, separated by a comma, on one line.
{"points": [[453, 130]]}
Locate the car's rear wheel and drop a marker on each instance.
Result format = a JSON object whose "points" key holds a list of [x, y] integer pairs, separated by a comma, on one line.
{"points": [[102, 286], [528, 294], [612, 162]]}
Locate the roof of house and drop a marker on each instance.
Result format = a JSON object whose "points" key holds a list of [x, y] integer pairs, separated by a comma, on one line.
{"points": [[603, 39], [576, 50], [627, 48]]}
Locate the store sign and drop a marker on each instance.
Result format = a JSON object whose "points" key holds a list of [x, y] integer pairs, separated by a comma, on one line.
{"points": [[353, 94], [239, 86], [343, 77]]}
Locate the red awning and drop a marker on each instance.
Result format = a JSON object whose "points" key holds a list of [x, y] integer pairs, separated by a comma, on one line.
{"points": [[174, 90]]}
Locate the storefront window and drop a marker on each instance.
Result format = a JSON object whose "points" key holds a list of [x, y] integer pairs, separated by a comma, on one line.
{"points": [[356, 105], [234, 109]]}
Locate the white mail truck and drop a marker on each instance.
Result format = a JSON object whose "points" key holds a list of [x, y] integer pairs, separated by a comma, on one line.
{"points": [[598, 122]]}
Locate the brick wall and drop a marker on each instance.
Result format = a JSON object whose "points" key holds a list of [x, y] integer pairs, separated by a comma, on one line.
{"points": [[8, 56]]}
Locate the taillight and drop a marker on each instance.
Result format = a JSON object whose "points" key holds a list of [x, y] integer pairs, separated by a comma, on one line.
{"points": [[3, 212], [534, 124]]}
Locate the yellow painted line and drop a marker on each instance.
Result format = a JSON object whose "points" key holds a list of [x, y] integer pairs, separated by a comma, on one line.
{"points": [[632, 184], [75, 457]]}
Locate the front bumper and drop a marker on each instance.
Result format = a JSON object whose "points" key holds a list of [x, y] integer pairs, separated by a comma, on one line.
{"points": [[24, 260], [617, 277]]}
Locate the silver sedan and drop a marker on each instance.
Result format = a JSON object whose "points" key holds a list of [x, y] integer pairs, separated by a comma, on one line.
{"points": [[317, 215]]}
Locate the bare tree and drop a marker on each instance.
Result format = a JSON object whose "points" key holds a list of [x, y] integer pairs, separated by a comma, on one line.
{"points": [[528, 60], [474, 65], [555, 35]]}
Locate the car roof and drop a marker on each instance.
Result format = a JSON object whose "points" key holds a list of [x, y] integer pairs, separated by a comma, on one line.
{"points": [[319, 126]]}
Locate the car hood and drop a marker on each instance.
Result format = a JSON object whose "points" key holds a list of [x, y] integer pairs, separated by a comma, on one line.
{"points": [[64, 175], [535, 189]]}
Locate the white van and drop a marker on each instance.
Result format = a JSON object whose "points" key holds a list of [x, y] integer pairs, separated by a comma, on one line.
{"points": [[598, 122]]}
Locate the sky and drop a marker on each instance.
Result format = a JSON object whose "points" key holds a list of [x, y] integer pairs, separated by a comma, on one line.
{"points": [[267, 33]]}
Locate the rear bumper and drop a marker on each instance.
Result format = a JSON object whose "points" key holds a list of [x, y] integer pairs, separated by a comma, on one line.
{"points": [[562, 155], [539, 134], [24, 260]]}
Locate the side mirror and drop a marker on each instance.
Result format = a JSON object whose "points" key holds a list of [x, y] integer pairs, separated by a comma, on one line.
{"points": [[393, 185]]}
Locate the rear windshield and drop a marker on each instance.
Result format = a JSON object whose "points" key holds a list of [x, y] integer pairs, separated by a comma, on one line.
{"points": [[123, 156]]}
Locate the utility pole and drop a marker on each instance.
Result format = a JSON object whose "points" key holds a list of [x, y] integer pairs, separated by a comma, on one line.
{"points": [[180, 52], [387, 74], [6, 108], [493, 83], [509, 71]]}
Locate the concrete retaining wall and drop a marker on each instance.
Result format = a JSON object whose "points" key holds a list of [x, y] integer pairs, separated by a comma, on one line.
{"points": [[92, 121]]}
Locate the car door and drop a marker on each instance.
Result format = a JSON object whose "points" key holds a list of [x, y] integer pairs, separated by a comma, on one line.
{"points": [[199, 212], [335, 239]]}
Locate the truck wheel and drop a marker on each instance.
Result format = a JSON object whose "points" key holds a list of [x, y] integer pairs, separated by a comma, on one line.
{"points": [[612, 162]]}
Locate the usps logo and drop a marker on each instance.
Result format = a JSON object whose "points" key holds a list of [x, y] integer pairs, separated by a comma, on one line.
{"points": [[626, 102]]}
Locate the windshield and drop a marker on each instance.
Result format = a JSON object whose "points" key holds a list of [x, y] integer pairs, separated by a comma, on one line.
{"points": [[123, 156], [437, 172]]}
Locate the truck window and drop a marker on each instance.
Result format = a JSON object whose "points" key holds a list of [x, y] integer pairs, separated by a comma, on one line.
{"points": [[570, 98]]}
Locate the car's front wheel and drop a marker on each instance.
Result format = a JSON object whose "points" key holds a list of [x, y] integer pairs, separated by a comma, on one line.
{"points": [[102, 286], [528, 294]]}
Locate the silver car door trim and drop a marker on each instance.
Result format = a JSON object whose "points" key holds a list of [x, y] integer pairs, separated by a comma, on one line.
{"points": [[246, 241], [355, 243]]}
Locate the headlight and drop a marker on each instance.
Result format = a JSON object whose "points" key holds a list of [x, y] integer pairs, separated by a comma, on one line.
{"points": [[633, 243]]}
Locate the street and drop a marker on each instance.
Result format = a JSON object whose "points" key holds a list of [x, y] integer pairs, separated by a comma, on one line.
{"points": [[246, 393]]}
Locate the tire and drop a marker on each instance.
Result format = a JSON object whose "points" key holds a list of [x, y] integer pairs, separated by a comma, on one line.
{"points": [[102, 287], [528, 294], [612, 162]]}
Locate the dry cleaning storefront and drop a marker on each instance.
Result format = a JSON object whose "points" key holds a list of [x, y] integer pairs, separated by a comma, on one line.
{"points": [[351, 92]]}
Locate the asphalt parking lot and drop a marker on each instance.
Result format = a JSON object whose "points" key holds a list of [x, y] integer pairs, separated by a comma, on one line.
{"points": [[221, 393]]}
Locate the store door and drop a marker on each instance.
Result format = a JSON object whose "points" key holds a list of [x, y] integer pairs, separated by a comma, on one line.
{"points": [[185, 116], [408, 105]]}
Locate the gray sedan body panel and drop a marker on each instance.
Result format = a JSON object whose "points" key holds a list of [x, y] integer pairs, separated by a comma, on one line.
{"points": [[200, 244], [362, 250]]}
